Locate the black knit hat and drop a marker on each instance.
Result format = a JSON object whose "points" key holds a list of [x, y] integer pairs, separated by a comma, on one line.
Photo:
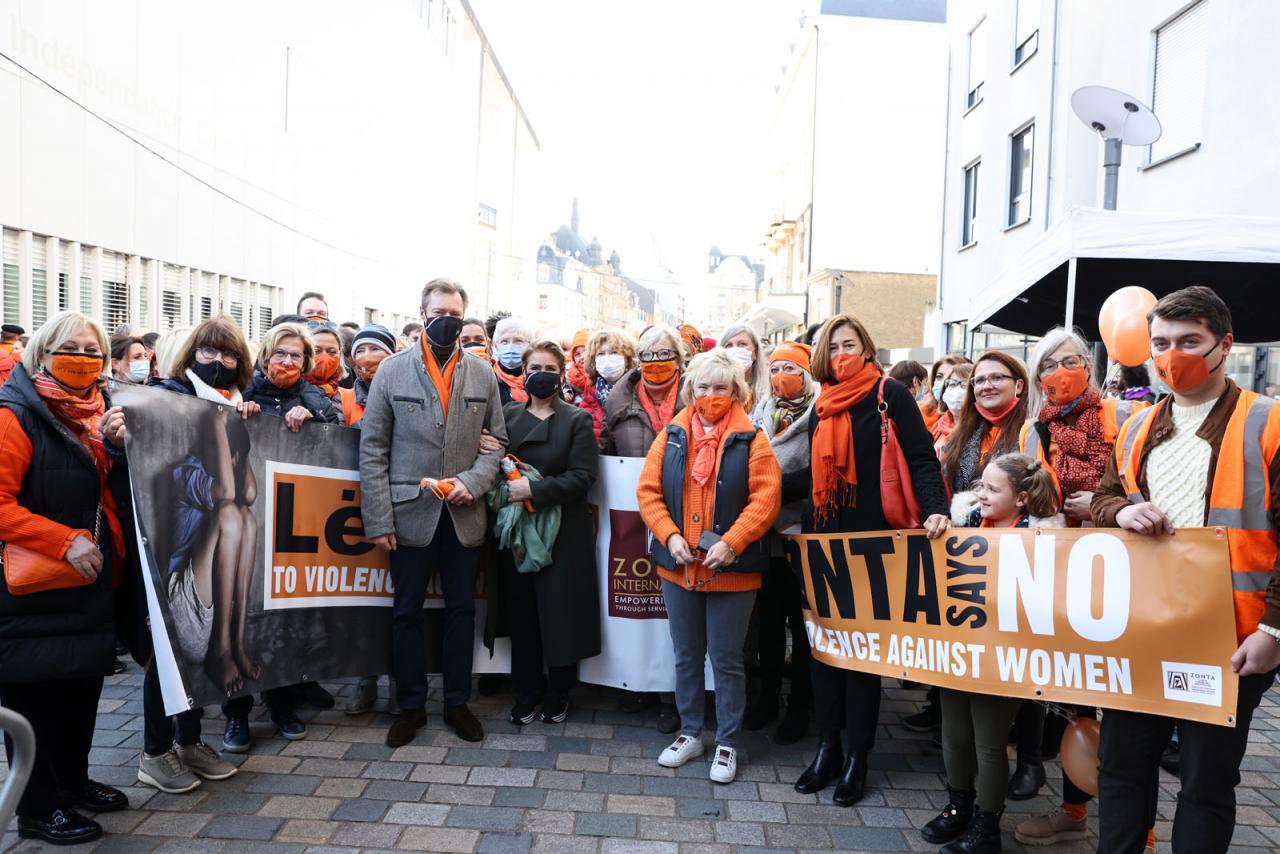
{"points": [[13, 329], [377, 335]]}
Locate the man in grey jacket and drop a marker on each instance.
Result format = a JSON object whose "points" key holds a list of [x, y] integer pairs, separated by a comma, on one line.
{"points": [[423, 418]]}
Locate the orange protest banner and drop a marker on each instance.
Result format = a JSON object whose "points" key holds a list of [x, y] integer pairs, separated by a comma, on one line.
{"points": [[1091, 616]]}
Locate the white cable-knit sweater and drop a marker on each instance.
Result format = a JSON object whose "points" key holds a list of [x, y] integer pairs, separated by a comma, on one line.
{"points": [[1178, 468]]}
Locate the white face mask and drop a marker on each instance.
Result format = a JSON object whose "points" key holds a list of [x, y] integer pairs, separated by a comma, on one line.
{"points": [[953, 398], [743, 355], [610, 366], [139, 370]]}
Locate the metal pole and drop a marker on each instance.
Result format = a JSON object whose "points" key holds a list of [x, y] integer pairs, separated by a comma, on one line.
{"points": [[1071, 292], [1111, 168]]}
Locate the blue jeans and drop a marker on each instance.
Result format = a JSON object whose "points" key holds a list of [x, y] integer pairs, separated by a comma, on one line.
{"points": [[411, 571], [715, 624]]}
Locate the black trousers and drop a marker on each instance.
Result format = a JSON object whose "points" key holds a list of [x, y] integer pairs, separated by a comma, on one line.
{"points": [[849, 699], [1128, 776], [1028, 730], [158, 729], [411, 570], [779, 610], [532, 684], [280, 702], [62, 713]]}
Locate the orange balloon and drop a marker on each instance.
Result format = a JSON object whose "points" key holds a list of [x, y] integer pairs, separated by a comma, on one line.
{"points": [[1079, 753], [1130, 340], [1120, 304]]}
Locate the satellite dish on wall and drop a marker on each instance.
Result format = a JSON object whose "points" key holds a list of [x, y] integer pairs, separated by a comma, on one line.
{"points": [[1120, 120], [1115, 115]]}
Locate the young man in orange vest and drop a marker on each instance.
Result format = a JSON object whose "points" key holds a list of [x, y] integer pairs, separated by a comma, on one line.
{"points": [[1204, 457]]}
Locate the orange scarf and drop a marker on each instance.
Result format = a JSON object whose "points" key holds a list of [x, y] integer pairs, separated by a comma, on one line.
{"points": [[660, 414], [442, 382], [578, 377], [514, 383], [706, 446], [833, 466], [82, 417]]}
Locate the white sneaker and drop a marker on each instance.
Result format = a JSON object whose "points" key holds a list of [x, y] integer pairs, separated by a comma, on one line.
{"points": [[724, 767], [683, 749]]}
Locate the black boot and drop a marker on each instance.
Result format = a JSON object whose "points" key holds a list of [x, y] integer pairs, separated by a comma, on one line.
{"points": [[825, 766], [953, 819], [794, 724], [853, 781], [764, 710], [1026, 781], [982, 836]]}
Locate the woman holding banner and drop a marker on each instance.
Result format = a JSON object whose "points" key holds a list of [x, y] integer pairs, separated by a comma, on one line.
{"points": [[284, 357], [842, 491], [640, 406], [709, 492], [784, 417], [62, 483], [552, 615]]}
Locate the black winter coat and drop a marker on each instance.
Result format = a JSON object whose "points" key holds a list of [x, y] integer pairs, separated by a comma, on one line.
{"points": [[67, 633], [917, 447], [563, 450], [278, 401]]}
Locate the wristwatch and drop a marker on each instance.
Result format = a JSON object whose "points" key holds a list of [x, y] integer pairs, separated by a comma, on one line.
{"points": [[1274, 633]]}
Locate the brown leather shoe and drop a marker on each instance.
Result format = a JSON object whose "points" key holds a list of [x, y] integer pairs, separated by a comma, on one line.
{"points": [[406, 727], [464, 723]]}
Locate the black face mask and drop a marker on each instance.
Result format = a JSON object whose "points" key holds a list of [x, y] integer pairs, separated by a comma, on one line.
{"points": [[443, 330], [215, 374], [542, 384]]}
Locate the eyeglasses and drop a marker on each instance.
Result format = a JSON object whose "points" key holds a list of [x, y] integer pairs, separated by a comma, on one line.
{"points": [[286, 356], [990, 379], [320, 324], [208, 354], [658, 356], [953, 384], [1048, 366]]}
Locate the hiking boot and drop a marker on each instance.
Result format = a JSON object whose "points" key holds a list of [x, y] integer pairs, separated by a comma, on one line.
{"points": [[363, 697], [1050, 828], [952, 821]]}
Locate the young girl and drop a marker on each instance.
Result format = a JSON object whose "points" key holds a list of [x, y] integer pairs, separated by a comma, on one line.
{"points": [[1015, 491]]}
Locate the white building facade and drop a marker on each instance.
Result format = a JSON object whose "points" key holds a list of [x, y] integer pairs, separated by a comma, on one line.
{"points": [[201, 159], [1017, 157]]}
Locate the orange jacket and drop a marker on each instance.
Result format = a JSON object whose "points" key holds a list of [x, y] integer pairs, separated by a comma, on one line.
{"points": [[1241, 492], [351, 411], [764, 479]]}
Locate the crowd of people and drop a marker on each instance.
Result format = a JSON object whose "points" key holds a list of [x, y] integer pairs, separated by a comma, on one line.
{"points": [[463, 421]]}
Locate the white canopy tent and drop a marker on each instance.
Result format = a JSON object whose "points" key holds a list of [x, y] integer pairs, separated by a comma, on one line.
{"points": [[1089, 253]]}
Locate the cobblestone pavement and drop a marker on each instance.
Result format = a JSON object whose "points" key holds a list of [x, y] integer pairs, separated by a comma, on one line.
{"points": [[589, 785]]}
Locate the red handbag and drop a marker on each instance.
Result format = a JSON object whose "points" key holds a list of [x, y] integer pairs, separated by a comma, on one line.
{"points": [[27, 571], [897, 494]]}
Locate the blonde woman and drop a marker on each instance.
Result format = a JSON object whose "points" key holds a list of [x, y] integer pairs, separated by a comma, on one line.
{"points": [[278, 386], [610, 355], [645, 400], [742, 344], [63, 484], [709, 520]]}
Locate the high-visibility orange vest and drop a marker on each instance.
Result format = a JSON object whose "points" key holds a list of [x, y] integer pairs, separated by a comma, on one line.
{"points": [[1114, 413], [1239, 498], [351, 411]]}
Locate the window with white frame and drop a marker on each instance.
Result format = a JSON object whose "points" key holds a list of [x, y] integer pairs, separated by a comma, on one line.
{"points": [[11, 299], [977, 53], [1026, 30], [488, 215], [1021, 155], [39, 282], [970, 213], [1181, 59]]}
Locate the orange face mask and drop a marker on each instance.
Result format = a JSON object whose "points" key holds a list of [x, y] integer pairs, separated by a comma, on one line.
{"points": [[846, 366], [658, 373], [1065, 384], [1183, 371], [324, 369], [76, 371], [787, 386], [367, 364], [283, 376], [712, 407]]}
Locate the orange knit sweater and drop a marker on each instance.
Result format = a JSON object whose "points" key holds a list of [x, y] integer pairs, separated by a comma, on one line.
{"points": [[764, 480]]}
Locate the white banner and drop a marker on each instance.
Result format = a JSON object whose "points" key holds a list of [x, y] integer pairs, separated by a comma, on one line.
{"points": [[636, 652]]}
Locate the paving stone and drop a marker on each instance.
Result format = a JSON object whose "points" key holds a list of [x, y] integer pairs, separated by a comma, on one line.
{"points": [[582, 762], [289, 806], [596, 824], [485, 818], [367, 835], [548, 821], [701, 808], [554, 843], [622, 784], [497, 842], [508, 796], [676, 829], [445, 793], [575, 801], [739, 833], [427, 814], [394, 790], [502, 777], [283, 784], [869, 838], [439, 774], [419, 753], [241, 827], [637, 846], [640, 805], [756, 811], [568, 780], [173, 824], [342, 787], [305, 830], [442, 839], [359, 809]]}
